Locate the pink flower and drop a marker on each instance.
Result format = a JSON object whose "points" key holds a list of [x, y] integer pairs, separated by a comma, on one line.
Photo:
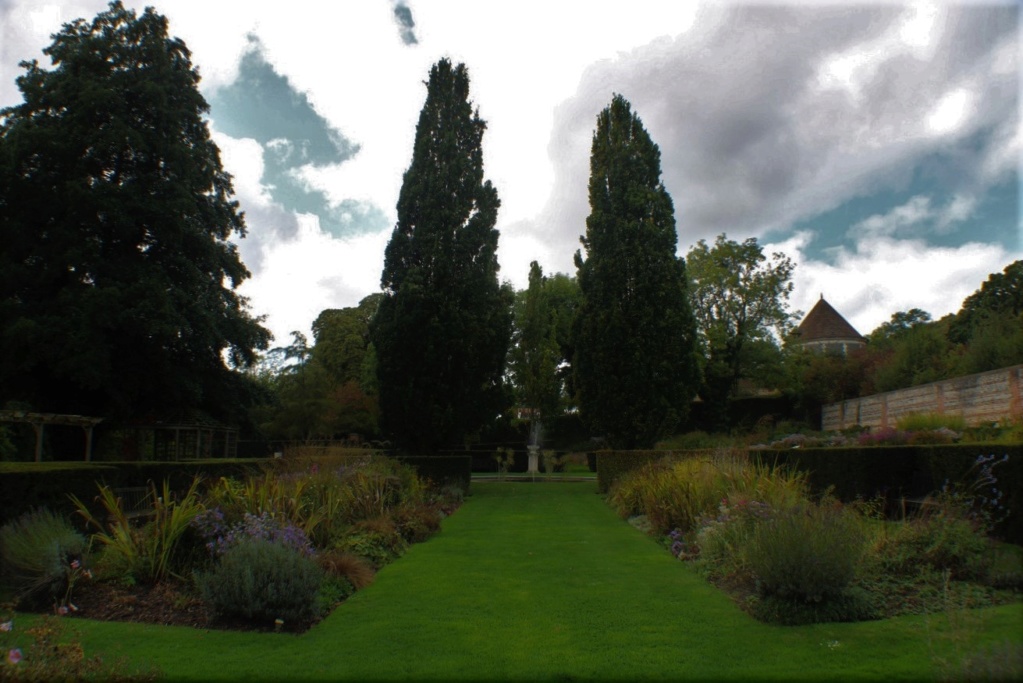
{"points": [[62, 610], [14, 656], [7, 626], [75, 564]]}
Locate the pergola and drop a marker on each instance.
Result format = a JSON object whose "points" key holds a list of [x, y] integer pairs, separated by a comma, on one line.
{"points": [[39, 421]]}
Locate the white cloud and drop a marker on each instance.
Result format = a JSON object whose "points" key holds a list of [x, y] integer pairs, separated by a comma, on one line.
{"points": [[884, 275], [911, 213], [950, 113], [243, 158], [765, 114], [303, 276]]}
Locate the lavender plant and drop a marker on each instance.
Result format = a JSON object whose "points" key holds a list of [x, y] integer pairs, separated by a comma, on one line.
{"points": [[221, 536]]}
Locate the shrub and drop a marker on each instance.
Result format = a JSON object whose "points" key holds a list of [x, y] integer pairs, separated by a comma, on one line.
{"points": [[377, 540], [263, 581], [149, 553], [806, 553], [343, 565], [679, 493], [722, 540], [929, 422], [935, 541], [220, 537], [42, 556], [416, 523]]}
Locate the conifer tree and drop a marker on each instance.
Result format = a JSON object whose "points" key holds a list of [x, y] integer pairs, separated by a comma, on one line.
{"points": [[442, 331], [636, 366]]}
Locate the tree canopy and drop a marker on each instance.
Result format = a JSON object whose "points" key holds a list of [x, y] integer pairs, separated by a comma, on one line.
{"points": [[321, 391], [535, 353], [442, 331], [636, 366], [740, 299], [117, 280]]}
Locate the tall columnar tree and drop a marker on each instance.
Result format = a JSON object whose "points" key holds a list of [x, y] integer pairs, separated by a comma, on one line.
{"points": [[117, 279], [636, 365], [740, 299], [535, 353], [442, 331]]}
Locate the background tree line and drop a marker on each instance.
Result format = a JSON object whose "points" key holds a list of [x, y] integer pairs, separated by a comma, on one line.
{"points": [[118, 282]]}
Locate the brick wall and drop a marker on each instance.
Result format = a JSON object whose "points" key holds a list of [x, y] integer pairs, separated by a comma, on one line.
{"points": [[985, 397]]}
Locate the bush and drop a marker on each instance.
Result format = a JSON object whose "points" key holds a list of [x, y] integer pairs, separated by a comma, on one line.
{"points": [[723, 540], [152, 552], [940, 542], [42, 556], [347, 566], [416, 523], [807, 553], [929, 422], [263, 581], [677, 494], [378, 540]]}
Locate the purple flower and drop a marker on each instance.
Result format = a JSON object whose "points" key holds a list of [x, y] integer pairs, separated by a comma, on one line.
{"points": [[14, 656]]}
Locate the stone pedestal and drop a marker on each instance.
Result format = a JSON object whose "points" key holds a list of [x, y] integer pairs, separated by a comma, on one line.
{"points": [[534, 459]]}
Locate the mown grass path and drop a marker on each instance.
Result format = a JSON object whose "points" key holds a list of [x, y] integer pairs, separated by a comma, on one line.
{"points": [[539, 582]]}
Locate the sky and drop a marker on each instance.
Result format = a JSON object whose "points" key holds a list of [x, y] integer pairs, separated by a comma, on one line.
{"points": [[877, 146]]}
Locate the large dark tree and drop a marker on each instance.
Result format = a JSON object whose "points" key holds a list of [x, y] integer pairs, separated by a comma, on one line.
{"points": [[117, 280], [441, 333], [636, 365]]}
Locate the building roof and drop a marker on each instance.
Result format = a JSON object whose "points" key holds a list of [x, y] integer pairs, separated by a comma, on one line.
{"points": [[824, 323]]}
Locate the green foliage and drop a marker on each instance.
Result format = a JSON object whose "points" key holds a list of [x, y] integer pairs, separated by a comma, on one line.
{"points": [[941, 538], [347, 567], [1000, 294], [148, 551], [920, 356], [901, 323], [739, 298], [636, 367], [263, 581], [442, 330], [996, 341], [807, 553], [930, 422], [378, 540], [535, 354], [325, 394], [41, 554], [678, 493], [126, 302], [853, 604]]}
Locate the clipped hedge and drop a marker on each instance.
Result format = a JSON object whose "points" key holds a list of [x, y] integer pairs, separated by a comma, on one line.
{"points": [[911, 472], [442, 470], [28, 486], [613, 464]]}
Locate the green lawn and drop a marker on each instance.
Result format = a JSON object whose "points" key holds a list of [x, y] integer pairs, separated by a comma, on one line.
{"points": [[542, 581]]}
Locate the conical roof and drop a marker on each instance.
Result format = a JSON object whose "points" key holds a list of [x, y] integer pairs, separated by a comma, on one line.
{"points": [[824, 323]]}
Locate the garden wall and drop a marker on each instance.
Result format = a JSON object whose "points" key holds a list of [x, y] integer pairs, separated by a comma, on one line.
{"points": [[985, 397]]}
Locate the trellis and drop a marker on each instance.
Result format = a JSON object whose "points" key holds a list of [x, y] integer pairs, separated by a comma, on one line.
{"points": [[40, 421]]}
